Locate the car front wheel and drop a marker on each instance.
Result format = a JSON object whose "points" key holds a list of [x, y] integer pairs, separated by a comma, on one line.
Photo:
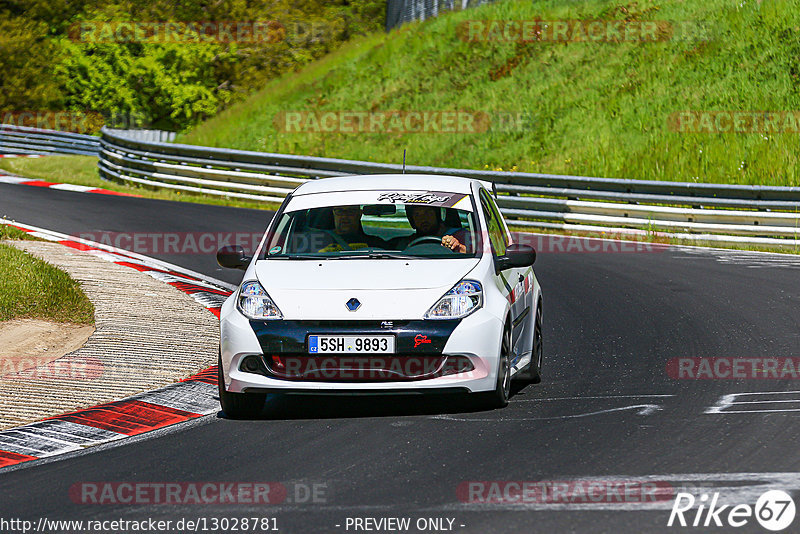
{"points": [[238, 405], [502, 390], [533, 372]]}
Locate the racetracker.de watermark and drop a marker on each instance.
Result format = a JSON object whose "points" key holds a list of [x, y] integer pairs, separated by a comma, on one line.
{"points": [[38, 367], [81, 122], [734, 368], [581, 31], [400, 121], [155, 243], [64, 121], [737, 122], [174, 242], [201, 493], [568, 244], [564, 492], [192, 32], [373, 367]]}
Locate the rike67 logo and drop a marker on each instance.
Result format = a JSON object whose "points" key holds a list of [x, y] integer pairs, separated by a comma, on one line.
{"points": [[774, 510]]}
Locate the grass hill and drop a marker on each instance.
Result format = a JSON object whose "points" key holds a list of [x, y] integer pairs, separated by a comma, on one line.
{"points": [[599, 108]]}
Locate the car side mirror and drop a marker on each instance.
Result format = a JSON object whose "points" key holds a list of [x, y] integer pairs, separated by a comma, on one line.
{"points": [[233, 257], [516, 256]]}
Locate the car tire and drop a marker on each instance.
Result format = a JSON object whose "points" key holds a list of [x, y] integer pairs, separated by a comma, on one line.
{"points": [[498, 398], [533, 372], [238, 405]]}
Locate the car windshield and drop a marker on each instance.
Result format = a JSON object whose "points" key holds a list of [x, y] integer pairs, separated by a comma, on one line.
{"points": [[376, 231]]}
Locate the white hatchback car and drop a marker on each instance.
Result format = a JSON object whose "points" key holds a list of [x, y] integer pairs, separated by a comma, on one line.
{"points": [[381, 284]]}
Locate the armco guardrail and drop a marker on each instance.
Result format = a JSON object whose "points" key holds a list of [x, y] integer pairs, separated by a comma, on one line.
{"points": [[401, 11], [24, 140], [764, 215]]}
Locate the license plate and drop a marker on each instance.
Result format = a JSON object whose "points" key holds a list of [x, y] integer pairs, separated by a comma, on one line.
{"points": [[350, 344]]}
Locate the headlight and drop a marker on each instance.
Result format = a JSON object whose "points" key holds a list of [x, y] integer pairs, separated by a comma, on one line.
{"points": [[463, 299], [254, 302]]}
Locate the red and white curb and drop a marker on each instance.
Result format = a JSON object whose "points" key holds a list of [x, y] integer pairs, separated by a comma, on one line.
{"points": [[19, 180], [191, 398]]}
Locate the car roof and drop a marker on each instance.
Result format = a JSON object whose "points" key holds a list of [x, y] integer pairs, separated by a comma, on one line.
{"points": [[381, 182]]}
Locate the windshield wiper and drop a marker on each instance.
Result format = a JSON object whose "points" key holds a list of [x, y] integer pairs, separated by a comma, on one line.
{"points": [[358, 256], [389, 256], [296, 257], [372, 256]]}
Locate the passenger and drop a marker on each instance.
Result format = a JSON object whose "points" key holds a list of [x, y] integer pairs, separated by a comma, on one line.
{"points": [[348, 233]]}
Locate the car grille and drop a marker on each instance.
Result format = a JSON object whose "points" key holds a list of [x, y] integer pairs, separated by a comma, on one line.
{"points": [[362, 367]]}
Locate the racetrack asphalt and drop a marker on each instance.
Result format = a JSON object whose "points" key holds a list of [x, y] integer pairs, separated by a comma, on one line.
{"points": [[607, 410]]}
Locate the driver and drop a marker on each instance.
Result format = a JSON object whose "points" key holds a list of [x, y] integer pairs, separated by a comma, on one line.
{"points": [[427, 222], [348, 233]]}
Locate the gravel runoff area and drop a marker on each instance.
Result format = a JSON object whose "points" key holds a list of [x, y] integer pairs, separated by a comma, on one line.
{"points": [[148, 334]]}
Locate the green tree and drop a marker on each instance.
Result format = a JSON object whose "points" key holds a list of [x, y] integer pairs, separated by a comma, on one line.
{"points": [[26, 58], [166, 85]]}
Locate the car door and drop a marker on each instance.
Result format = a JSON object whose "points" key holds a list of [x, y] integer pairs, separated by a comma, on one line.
{"points": [[523, 295], [511, 281]]}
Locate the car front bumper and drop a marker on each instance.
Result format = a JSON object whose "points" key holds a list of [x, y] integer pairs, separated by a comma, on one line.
{"points": [[476, 338]]}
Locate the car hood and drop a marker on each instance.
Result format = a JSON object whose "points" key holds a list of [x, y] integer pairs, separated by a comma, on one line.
{"points": [[386, 289]]}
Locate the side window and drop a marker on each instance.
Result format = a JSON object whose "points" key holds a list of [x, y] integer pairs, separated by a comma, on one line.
{"points": [[500, 221], [497, 234]]}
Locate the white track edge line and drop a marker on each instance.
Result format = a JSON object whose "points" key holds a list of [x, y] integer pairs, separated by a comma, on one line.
{"points": [[156, 262]]}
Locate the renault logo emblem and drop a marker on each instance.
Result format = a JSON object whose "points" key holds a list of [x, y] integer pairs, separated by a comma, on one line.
{"points": [[353, 304]]}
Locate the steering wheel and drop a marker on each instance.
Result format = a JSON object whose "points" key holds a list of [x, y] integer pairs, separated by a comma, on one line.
{"points": [[425, 239]]}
